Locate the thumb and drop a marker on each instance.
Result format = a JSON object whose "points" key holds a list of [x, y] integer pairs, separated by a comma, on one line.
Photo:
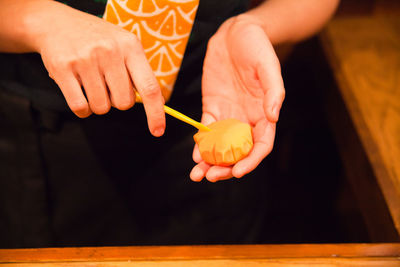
{"points": [[207, 118], [273, 101], [272, 83]]}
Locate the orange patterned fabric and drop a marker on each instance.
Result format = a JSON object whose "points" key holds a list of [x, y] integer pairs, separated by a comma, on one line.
{"points": [[163, 27]]}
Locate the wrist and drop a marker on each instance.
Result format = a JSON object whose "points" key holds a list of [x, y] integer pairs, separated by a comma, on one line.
{"points": [[248, 17], [16, 25], [266, 19], [39, 22], [254, 18], [43, 21]]}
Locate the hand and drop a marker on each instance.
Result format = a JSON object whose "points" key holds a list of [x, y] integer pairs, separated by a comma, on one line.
{"points": [[242, 80], [81, 50]]}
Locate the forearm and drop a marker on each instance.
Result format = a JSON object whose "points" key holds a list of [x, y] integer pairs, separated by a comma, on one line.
{"points": [[14, 26], [25, 23], [288, 21]]}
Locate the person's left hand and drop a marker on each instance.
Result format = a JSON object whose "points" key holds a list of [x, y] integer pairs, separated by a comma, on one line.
{"points": [[242, 80]]}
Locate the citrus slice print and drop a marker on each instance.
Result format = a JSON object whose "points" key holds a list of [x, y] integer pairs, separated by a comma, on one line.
{"points": [[163, 27]]}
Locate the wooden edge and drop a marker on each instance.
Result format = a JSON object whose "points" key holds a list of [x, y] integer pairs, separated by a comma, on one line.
{"points": [[357, 164], [388, 188], [200, 252]]}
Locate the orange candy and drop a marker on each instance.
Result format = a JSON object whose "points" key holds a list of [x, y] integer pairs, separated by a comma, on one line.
{"points": [[163, 27], [228, 142]]}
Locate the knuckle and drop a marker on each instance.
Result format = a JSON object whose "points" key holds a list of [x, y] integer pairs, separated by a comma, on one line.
{"points": [[124, 105], [72, 61], [62, 63], [158, 117], [79, 106], [130, 40], [151, 89], [101, 51], [88, 56], [105, 48], [83, 55], [101, 109], [133, 46]]}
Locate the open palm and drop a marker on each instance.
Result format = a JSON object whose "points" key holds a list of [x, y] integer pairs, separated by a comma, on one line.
{"points": [[242, 80]]}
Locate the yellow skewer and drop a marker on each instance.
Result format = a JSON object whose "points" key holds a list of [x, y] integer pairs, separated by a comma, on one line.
{"points": [[176, 114], [185, 118]]}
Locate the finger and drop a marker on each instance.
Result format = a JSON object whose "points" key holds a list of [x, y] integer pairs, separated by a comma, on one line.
{"points": [[119, 83], [260, 67], [264, 134], [95, 89], [72, 91], [149, 90], [218, 173], [207, 118], [196, 154], [272, 83], [199, 171]]}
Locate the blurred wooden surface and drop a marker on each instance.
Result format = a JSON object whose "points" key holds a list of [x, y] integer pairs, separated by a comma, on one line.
{"points": [[223, 255], [368, 7], [364, 53]]}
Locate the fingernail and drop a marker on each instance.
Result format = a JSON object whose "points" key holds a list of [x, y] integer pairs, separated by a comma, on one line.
{"points": [[275, 111], [158, 131]]}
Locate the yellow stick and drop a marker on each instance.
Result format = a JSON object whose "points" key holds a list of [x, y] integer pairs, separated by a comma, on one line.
{"points": [[176, 114]]}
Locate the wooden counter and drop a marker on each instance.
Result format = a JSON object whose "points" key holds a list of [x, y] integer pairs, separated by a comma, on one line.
{"points": [[229, 255], [364, 54]]}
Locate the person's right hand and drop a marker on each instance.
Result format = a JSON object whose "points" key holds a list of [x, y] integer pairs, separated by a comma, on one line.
{"points": [[97, 65]]}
